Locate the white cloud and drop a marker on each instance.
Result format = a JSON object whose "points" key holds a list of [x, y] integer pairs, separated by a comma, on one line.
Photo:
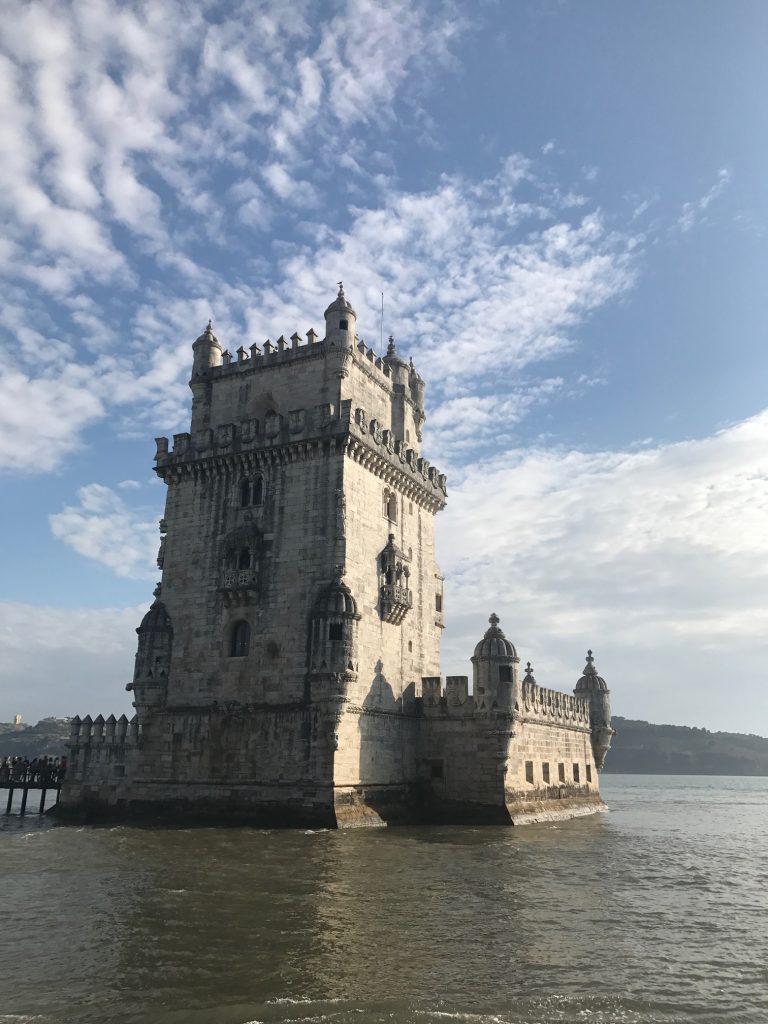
{"points": [[694, 212], [656, 558], [42, 418], [83, 657], [104, 528]]}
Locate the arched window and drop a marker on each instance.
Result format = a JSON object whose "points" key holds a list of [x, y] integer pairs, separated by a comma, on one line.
{"points": [[390, 506], [258, 491], [240, 640], [244, 559], [245, 494]]}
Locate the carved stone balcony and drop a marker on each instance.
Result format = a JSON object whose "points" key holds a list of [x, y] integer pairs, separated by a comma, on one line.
{"points": [[395, 602], [239, 586]]}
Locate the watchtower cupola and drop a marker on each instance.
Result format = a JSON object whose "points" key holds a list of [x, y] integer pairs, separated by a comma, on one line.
{"points": [[340, 321], [207, 352], [594, 687], [494, 669]]}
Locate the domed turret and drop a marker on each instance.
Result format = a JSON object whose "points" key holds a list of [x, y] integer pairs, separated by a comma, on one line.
{"points": [[333, 632], [337, 600], [494, 665], [594, 687], [207, 352], [340, 321], [401, 371]]}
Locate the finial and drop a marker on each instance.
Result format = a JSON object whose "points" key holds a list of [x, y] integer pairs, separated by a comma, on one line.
{"points": [[156, 591], [494, 619], [528, 668], [341, 290], [391, 350], [210, 324], [590, 659]]}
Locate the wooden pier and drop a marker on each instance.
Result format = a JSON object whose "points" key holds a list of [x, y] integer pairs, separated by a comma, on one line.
{"points": [[25, 787]]}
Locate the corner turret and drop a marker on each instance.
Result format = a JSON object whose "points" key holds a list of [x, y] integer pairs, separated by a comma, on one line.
{"points": [[153, 658], [494, 670], [594, 687], [340, 321], [206, 352]]}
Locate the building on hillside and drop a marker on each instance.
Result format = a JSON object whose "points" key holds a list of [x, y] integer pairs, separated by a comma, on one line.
{"points": [[288, 671]]}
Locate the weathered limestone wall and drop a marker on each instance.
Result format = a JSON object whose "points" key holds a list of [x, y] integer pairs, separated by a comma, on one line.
{"points": [[291, 537]]}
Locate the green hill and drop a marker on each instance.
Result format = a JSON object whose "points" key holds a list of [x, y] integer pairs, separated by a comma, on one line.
{"points": [[46, 739], [679, 750]]}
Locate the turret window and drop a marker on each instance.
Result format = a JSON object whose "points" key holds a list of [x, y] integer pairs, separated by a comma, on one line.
{"points": [[390, 506], [505, 673], [335, 632], [343, 325], [240, 639]]}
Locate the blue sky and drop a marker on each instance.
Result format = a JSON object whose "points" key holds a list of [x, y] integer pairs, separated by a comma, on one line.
{"points": [[565, 206]]}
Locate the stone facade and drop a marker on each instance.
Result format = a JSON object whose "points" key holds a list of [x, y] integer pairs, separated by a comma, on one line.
{"points": [[288, 671]]}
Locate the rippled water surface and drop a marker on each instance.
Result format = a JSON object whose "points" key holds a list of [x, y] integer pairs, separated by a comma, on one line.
{"points": [[654, 912]]}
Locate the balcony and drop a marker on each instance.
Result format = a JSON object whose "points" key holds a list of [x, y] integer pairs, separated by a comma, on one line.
{"points": [[239, 585], [395, 602]]}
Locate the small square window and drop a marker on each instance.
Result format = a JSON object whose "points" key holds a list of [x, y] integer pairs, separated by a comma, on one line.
{"points": [[343, 325], [505, 673], [529, 771], [335, 632], [436, 769], [545, 772]]}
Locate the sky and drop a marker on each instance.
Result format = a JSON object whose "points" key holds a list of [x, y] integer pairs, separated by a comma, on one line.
{"points": [[565, 206]]}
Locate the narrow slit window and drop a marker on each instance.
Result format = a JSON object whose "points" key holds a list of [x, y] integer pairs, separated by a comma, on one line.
{"points": [[576, 777], [244, 559], [589, 773], [545, 772], [258, 491], [561, 772], [529, 771], [438, 602], [245, 494]]}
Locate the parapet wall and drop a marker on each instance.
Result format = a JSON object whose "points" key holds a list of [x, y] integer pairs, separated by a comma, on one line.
{"points": [[536, 703], [100, 747], [553, 707]]}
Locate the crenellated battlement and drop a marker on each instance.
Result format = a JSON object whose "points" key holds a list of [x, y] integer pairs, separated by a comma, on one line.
{"points": [[367, 442], [537, 703], [102, 731]]}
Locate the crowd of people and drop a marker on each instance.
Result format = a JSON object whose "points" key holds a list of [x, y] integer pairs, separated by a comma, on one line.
{"points": [[39, 771]]}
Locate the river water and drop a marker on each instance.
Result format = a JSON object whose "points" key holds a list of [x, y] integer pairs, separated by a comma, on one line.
{"points": [[654, 912]]}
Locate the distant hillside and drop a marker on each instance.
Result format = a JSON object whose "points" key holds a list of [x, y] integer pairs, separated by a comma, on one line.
{"points": [[678, 750], [638, 747], [47, 738]]}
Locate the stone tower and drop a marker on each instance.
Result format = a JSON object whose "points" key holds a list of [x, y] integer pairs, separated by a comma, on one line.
{"points": [[288, 671], [300, 601]]}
